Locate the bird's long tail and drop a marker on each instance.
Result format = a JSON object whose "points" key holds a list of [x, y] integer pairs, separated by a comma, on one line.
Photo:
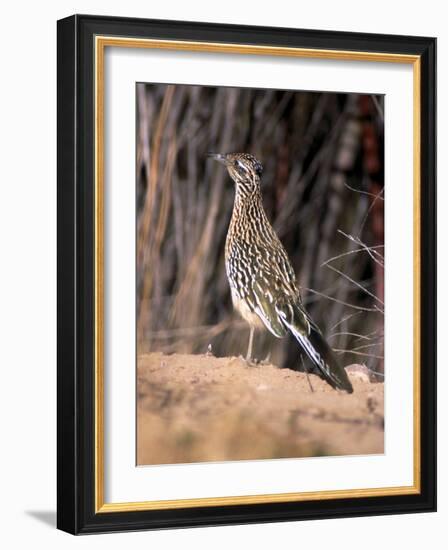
{"points": [[323, 357]]}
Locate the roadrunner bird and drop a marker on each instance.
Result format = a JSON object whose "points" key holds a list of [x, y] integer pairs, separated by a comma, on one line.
{"points": [[262, 280]]}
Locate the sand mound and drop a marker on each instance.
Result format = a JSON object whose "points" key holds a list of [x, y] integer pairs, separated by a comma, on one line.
{"points": [[196, 408]]}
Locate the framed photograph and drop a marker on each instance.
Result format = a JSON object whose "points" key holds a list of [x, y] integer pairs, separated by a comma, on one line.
{"points": [[246, 274]]}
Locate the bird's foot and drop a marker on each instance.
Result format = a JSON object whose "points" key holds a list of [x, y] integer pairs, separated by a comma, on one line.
{"points": [[254, 361], [250, 361]]}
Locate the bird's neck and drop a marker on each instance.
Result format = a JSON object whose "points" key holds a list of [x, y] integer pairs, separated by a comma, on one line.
{"points": [[247, 193], [245, 202], [247, 218]]}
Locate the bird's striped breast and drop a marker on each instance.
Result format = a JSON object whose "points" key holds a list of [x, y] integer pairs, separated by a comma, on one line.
{"points": [[258, 268]]}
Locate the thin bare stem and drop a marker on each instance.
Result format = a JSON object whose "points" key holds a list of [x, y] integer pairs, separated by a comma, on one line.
{"points": [[348, 253], [366, 346], [361, 192], [358, 285], [344, 319], [371, 250], [353, 352], [359, 336], [377, 197], [360, 308]]}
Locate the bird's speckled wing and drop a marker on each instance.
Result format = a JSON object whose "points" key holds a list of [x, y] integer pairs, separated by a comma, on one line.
{"points": [[264, 282]]}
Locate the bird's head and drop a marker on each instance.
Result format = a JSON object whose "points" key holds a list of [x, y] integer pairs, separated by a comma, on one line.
{"points": [[243, 168]]}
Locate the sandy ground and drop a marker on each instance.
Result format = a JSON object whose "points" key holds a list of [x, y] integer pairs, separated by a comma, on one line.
{"points": [[196, 408]]}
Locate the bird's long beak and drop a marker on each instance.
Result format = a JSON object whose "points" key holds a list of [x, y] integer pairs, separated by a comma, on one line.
{"points": [[218, 156]]}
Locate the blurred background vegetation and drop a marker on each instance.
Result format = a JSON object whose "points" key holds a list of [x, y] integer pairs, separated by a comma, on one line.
{"points": [[323, 190]]}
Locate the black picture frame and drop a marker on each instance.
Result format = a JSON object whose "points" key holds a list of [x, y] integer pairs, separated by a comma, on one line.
{"points": [[76, 301]]}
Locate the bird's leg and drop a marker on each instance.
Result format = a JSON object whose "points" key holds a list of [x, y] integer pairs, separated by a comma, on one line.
{"points": [[249, 348], [267, 359]]}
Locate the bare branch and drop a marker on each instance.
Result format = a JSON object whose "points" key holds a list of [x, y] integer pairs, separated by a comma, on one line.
{"points": [[349, 252], [371, 250], [361, 192], [346, 318], [359, 336], [373, 309], [378, 196], [358, 285], [353, 352]]}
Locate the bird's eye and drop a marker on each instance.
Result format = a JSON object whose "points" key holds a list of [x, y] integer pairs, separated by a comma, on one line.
{"points": [[240, 166]]}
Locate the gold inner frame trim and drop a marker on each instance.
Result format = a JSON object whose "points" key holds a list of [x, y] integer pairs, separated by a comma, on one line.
{"points": [[101, 42]]}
